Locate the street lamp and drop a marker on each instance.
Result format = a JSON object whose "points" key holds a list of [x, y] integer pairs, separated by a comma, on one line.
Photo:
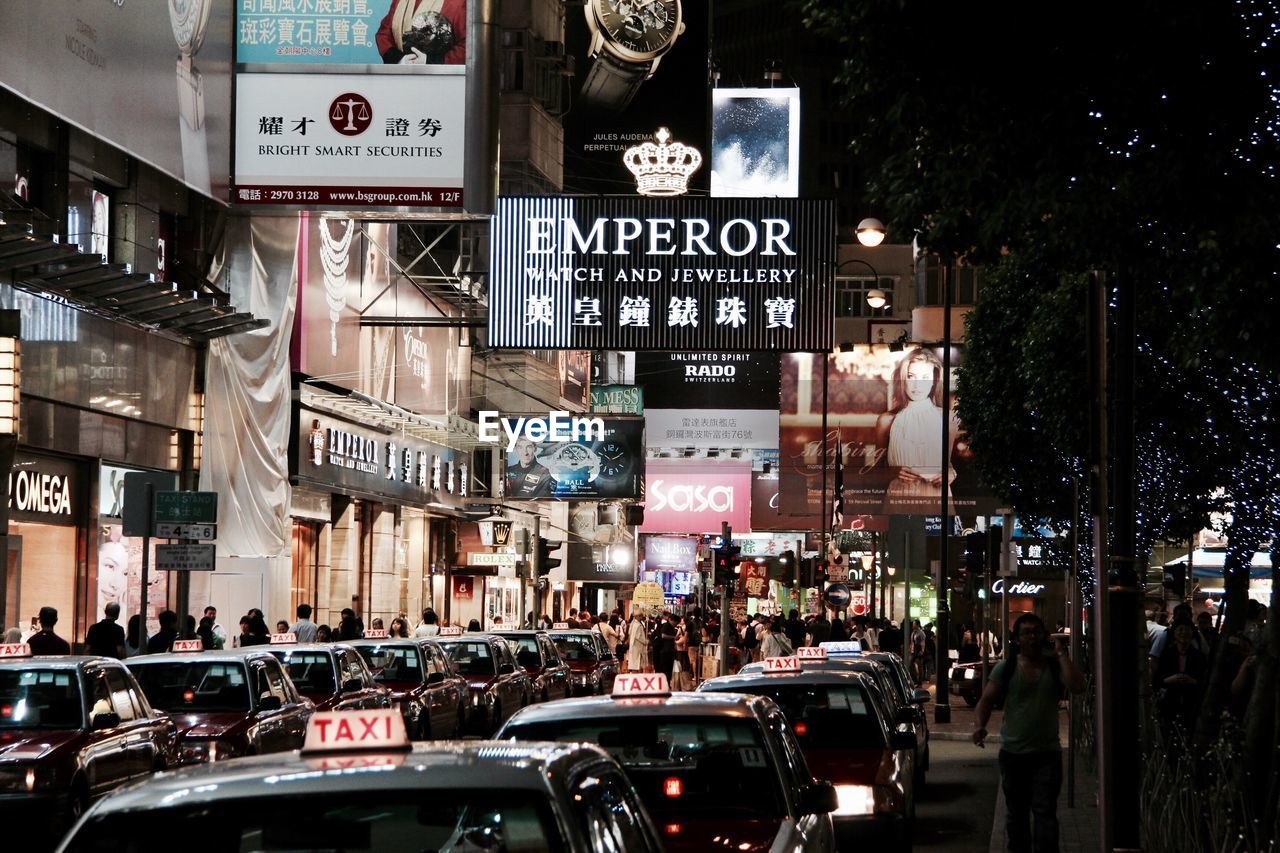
{"points": [[870, 232], [876, 298]]}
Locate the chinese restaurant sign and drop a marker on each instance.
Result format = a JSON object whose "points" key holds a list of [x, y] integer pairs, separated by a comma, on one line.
{"points": [[729, 275]]}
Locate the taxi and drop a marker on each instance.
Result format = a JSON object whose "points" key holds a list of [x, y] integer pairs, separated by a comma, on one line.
{"points": [[847, 731], [332, 675], [225, 703], [431, 697], [594, 667], [499, 686], [358, 784], [548, 672], [72, 728], [714, 770]]}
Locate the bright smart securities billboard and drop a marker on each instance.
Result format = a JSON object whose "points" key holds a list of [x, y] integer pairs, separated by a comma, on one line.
{"points": [[630, 273]]}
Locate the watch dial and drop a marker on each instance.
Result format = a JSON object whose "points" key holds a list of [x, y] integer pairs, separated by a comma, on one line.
{"points": [[639, 25], [613, 459]]}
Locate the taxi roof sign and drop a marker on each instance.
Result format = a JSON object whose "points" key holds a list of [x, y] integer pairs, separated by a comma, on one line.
{"points": [[559, 626], [811, 653], [376, 634], [629, 685], [370, 730], [283, 639], [844, 647], [15, 650], [451, 631], [183, 646], [787, 664]]}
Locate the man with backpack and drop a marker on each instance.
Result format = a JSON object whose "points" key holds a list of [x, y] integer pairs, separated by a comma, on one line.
{"points": [[1029, 685]]}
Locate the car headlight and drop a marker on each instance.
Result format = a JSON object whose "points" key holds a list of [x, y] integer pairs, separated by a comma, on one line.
{"points": [[23, 780], [854, 800], [202, 751]]}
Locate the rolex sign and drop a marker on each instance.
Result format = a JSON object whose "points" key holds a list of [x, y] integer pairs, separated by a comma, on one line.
{"points": [[673, 274]]}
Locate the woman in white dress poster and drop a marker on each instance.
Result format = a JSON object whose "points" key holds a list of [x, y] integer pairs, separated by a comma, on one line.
{"points": [[910, 435]]}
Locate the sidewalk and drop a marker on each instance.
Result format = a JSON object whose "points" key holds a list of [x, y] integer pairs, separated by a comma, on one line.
{"points": [[1077, 827]]}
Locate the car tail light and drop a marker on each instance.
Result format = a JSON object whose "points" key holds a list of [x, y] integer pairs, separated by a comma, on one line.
{"points": [[802, 728], [673, 787], [673, 829], [889, 795], [6, 710], [188, 696]]}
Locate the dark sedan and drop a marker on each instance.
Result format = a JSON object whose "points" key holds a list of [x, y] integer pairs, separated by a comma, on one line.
{"points": [[431, 697], [226, 704], [594, 667], [71, 730], [499, 686], [332, 675], [548, 672]]}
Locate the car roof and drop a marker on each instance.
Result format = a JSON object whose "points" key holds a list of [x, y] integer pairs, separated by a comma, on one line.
{"points": [[387, 641], [830, 664], [446, 764], [678, 704], [750, 680], [209, 656]]}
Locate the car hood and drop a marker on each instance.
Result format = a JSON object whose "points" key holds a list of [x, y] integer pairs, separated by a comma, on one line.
{"points": [[698, 836], [845, 766], [209, 724], [34, 744]]}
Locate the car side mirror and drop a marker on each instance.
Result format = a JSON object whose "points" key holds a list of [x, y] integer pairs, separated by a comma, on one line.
{"points": [[506, 669], [819, 798], [106, 720], [351, 685], [919, 697], [270, 702], [435, 677], [902, 740], [909, 714]]}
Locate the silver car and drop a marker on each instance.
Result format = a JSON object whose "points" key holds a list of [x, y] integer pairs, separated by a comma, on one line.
{"points": [[474, 796]]}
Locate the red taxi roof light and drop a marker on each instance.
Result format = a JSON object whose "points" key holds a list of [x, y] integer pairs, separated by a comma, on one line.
{"points": [[782, 664], [451, 631], [284, 639], [371, 730], [673, 787], [630, 685], [15, 650], [376, 634], [559, 626], [811, 653], [187, 646]]}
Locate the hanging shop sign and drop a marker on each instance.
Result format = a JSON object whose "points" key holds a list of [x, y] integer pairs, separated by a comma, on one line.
{"points": [[709, 380], [558, 455], [617, 399], [1018, 588], [729, 275], [44, 490], [342, 456], [755, 579], [670, 554], [695, 496]]}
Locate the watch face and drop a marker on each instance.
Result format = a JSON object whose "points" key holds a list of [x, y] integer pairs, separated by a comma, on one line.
{"points": [[639, 26], [613, 459]]}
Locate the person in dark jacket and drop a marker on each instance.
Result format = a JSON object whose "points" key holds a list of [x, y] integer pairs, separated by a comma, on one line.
{"points": [[794, 629], [163, 640], [253, 630], [44, 641], [106, 638], [350, 627]]}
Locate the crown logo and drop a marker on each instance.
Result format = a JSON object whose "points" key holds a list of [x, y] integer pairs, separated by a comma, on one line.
{"points": [[662, 169]]}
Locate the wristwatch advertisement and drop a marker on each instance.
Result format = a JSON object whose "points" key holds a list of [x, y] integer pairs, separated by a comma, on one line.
{"points": [[640, 65]]}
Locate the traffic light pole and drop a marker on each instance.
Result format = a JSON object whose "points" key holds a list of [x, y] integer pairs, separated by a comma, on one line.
{"points": [[726, 539], [942, 686]]}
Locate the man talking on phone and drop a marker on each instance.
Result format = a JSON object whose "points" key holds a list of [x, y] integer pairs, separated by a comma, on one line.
{"points": [[1029, 685]]}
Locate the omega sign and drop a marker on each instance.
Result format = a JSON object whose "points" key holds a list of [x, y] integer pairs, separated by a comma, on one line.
{"points": [[32, 491]]}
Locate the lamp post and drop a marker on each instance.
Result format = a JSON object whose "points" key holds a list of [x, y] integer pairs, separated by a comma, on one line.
{"points": [[876, 298], [10, 394]]}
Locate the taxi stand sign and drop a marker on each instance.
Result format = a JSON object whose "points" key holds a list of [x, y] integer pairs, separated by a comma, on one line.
{"points": [[451, 631], [640, 685], [184, 646], [787, 664], [284, 639], [370, 730], [811, 653], [15, 650]]}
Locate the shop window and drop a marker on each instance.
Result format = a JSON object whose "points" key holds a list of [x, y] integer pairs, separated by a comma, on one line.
{"points": [[513, 61]]}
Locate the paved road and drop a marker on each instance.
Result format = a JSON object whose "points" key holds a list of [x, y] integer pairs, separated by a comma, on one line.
{"points": [[955, 810]]}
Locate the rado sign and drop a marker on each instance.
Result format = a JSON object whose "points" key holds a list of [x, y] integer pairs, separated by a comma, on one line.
{"points": [[731, 275]]}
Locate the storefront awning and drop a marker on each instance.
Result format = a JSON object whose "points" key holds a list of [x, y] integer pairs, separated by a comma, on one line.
{"points": [[1208, 563]]}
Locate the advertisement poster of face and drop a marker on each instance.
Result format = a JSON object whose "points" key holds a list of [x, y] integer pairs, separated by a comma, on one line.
{"points": [[120, 577], [755, 143], [574, 368], [608, 464], [638, 66], [709, 380], [884, 409]]}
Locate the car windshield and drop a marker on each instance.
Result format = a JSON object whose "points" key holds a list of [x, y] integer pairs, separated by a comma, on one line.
{"points": [[826, 715], [471, 658], [390, 819], [527, 651], [312, 672], [40, 699], [575, 648], [393, 663], [682, 767], [194, 685]]}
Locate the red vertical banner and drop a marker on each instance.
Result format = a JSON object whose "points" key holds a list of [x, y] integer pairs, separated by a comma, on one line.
{"points": [[462, 587], [755, 579]]}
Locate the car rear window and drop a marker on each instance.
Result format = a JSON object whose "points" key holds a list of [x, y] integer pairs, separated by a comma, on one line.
{"points": [[393, 819], [393, 663], [526, 649], [826, 715], [312, 672], [707, 767], [193, 686], [471, 658], [574, 648], [40, 699]]}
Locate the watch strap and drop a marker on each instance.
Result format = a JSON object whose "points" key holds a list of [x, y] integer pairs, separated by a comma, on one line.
{"points": [[611, 83]]}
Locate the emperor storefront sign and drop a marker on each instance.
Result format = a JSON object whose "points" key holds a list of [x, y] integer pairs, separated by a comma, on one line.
{"points": [[662, 274]]}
